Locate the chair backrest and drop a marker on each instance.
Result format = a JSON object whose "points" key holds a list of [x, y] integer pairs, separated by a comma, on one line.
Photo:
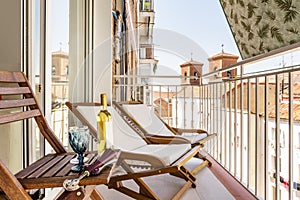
{"points": [[124, 137], [17, 102], [147, 118]]}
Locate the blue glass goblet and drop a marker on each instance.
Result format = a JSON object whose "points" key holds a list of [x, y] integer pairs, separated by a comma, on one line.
{"points": [[79, 140]]}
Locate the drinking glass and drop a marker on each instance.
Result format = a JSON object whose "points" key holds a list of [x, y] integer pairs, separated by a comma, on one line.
{"points": [[79, 140]]}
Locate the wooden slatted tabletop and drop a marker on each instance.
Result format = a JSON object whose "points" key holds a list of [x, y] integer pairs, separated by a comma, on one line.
{"points": [[53, 169]]}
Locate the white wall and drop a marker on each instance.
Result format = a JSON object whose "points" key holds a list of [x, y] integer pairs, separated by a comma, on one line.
{"points": [[102, 52]]}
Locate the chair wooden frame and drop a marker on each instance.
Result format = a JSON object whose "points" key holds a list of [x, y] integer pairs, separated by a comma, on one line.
{"points": [[51, 170], [176, 169]]}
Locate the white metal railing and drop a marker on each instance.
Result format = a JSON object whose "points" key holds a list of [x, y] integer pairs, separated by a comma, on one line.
{"points": [[256, 116]]}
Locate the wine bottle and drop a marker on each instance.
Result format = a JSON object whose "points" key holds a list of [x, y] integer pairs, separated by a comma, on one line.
{"points": [[103, 118]]}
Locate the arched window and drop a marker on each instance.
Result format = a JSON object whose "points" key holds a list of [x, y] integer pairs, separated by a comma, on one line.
{"points": [[67, 70], [53, 70], [195, 74], [185, 75]]}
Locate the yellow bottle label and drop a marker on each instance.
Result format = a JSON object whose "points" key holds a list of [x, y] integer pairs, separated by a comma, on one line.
{"points": [[102, 118], [102, 137]]}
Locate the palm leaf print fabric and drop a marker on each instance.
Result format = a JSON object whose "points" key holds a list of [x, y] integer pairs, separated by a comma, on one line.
{"points": [[259, 26]]}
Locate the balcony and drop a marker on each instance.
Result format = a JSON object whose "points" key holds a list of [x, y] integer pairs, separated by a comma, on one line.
{"points": [[255, 114], [146, 6]]}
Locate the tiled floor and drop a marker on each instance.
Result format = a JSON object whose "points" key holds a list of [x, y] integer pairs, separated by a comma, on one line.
{"points": [[166, 186]]}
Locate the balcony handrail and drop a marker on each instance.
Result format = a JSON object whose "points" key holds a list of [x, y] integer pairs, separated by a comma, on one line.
{"points": [[270, 72], [153, 76], [258, 58]]}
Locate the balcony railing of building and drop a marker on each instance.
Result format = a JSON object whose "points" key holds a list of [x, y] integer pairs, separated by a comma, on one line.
{"points": [[255, 114], [147, 5]]}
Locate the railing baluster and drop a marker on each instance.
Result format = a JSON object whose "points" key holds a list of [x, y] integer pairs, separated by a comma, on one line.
{"points": [[215, 118], [216, 143], [277, 136], [184, 108], [235, 140], [209, 94], [221, 133], [160, 103], [168, 105], [255, 135], [241, 128], [266, 128], [248, 131], [230, 128], [208, 112], [176, 89], [199, 106], [192, 108], [291, 135], [226, 140]]}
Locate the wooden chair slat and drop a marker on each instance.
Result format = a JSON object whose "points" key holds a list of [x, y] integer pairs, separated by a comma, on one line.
{"points": [[91, 157], [12, 77], [16, 103], [33, 167], [12, 117], [66, 170], [32, 183], [59, 166], [44, 168], [14, 90]]}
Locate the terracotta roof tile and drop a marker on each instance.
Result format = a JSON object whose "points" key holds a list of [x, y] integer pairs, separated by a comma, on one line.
{"points": [[284, 111]]}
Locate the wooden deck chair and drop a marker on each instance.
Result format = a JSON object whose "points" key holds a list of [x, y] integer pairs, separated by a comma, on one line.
{"points": [[17, 103], [195, 137], [157, 131], [137, 154]]}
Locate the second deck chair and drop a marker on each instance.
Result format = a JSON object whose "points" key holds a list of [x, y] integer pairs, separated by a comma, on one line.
{"points": [[136, 152], [157, 130]]}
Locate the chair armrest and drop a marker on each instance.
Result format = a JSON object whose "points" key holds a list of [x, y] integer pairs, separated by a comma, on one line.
{"points": [[126, 156], [182, 130], [158, 139]]}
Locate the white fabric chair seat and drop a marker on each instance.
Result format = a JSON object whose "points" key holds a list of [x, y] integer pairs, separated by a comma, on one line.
{"points": [[168, 154]]}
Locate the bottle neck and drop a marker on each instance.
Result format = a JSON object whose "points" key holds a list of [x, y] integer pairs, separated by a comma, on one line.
{"points": [[103, 101], [103, 107]]}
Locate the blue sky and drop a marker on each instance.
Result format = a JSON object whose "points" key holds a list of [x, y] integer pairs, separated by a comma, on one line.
{"points": [[203, 23], [60, 25]]}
